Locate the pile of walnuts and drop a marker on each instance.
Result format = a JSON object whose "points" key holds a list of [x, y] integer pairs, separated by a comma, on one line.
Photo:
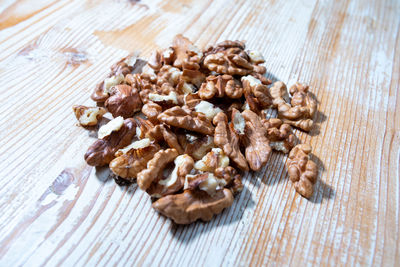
{"points": [[187, 124]]}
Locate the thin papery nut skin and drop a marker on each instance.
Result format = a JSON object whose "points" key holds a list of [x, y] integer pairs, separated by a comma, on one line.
{"points": [[186, 119], [158, 190], [79, 110], [134, 161], [151, 110], [225, 137], [257, 145], [155, 167], [102, 151], [190, 206], [302, 171], [123, 101], [302, 108]]}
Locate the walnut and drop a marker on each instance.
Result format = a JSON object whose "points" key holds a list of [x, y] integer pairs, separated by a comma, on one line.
{"points": [[302, 171], [256, 57], [229, 57], [184, 50], [169, 75], [156, 60], [190, 206], [232, 178], [111, 126], [206, 182], [155, 167], [88, 116], [257, 145], [208, 109], [142, 81], [125, 65], [214, 159], [164, 100], [196, 146], [133, 159], [219, 86], [302, 106], [280, 135], [227, 139], [102, 151], [175, 180], [152, 110], [186, 119], [191, 73], [162, 132], [123, 101], [256, 94]]}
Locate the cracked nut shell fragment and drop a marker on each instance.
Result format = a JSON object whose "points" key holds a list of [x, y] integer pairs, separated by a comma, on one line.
{"points": [[302, 170], [190, 206]]}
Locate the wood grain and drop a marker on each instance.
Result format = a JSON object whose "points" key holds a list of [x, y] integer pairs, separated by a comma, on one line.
{"points": [[56, 210]]}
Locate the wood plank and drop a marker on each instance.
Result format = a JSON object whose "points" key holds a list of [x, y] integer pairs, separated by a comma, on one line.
{"points": [[56, 210]]}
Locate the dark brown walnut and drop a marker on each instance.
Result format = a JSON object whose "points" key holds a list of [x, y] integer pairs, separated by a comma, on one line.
{"points": [[301, 108], [256, 94], [190, 206], [227, 139], [184, 118], [220, 86], [174, 181], [129, 162], [123, 101], [257, 145], [302, 171], [88, 116], [102, 151], [280, 135]]}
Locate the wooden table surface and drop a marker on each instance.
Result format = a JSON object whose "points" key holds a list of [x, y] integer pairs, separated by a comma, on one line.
{"points": [[56, 210]]}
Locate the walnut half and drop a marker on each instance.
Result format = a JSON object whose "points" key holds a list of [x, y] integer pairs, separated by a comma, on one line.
{"points": [[190, 206], [302, 171], [88, 116]]}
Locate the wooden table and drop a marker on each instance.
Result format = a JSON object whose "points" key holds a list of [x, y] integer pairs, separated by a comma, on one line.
{"points": [[56, 210]]}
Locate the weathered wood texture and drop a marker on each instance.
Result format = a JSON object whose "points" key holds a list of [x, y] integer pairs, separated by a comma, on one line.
{"points": [[57, 210]]}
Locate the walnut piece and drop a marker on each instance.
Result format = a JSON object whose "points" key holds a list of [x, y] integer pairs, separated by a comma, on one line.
{"points": [[102, 151], [195, 146], [214, 159], [280, 135], [123, 101], [88, 116], [152, 110], [155, 167], [219, 86], [175, 180], [208, 109], [257, 145], [300, 110], [206, 182], [227, 139], [190, 206], [133, 159], [111, 126], [302, 171], [162, 132], [186, 119], [257, 94]]}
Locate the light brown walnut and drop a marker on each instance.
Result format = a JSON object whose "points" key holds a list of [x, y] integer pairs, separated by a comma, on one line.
{"points": [[152, 110], [257, 150], [227, 139], [88, 116], [162, 132], [102, 151], [297, 111], [280, 135], [256, 93], [302, 170], [232, 178], [128, 164], [190, 206], [220, 86], [196, 146], [174, 180], [155, 167], [214, 159], [184, 118], [123, 101]]}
